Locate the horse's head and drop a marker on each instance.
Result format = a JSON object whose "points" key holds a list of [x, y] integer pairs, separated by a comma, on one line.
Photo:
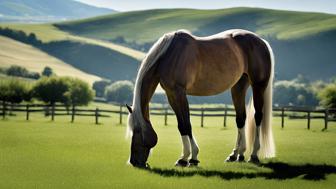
{"points": [[143, 139]]}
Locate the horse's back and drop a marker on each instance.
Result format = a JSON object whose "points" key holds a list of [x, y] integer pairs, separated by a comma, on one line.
{"points": [[207, 65]]}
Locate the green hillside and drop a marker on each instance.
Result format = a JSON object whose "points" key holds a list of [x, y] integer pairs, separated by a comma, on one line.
{"points": [[303, 42], [146, 26], [108, 46], [15, 53], [101, 58]]}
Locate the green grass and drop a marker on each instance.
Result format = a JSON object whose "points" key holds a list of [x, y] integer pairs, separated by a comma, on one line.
{"points": [[44, 154], [148, 25]]}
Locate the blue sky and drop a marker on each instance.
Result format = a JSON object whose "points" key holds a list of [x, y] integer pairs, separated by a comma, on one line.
{"points": [[328, 6]]}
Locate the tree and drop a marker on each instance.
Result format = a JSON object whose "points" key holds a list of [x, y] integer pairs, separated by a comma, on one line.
{"points": [[52, 89], [79, 92], [99, 87], [119, 91], [294, 93], [47, 71], [327, 96], [15, 90], [19, 71]]}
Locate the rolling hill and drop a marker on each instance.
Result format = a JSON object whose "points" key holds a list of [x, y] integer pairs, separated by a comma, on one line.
{"points": [[148, 25], [303, 42], [16, 53], [47, 10], [101, 58]]}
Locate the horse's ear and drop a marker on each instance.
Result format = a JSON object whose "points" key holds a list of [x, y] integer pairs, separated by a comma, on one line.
{"points": [[129, 108]]}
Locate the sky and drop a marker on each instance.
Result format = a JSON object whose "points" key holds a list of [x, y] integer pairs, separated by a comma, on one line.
{"points": [[327, 6]]}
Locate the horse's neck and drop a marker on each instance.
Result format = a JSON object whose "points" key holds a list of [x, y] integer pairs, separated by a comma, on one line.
{"points": [[147, 88]]}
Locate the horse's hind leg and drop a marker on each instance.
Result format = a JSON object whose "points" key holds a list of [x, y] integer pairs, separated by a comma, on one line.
{"points": [[258, 102], [238, 92], [178, 100]]}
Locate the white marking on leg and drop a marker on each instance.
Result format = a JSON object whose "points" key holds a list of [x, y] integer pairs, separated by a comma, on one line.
{"points": [[240, 141], [256, 145], [186, 147], [194, 148]]}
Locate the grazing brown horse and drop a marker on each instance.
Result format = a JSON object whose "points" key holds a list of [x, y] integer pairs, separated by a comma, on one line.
{"points": [[184, 65]]}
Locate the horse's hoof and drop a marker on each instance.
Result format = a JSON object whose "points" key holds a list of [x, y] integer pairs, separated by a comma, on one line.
{"points": [[231, 159], [193, 162], [241, 158], [182, 163], [254, 159]]}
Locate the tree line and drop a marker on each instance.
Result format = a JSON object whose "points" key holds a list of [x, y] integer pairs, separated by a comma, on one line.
{"points": [[19, 71], [51, 90], [296, 92]]}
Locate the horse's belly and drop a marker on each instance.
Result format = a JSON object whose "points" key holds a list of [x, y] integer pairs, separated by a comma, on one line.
{"points": [[206, 90], [213, 83]]}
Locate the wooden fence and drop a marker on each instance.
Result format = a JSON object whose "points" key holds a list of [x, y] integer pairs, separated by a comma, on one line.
{"points": [[290, 112]]}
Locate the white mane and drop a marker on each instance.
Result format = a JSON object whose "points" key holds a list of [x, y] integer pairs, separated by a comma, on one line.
{"points": [[151, 58]]}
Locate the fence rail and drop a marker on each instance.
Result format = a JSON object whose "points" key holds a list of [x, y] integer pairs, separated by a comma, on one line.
{"points": [[290, 112]]}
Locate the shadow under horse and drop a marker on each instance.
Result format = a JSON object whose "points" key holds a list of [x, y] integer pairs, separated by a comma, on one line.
{"points": [[279, 171]]}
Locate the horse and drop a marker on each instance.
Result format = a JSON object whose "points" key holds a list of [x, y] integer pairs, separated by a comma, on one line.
{"points": [[185, 64]]}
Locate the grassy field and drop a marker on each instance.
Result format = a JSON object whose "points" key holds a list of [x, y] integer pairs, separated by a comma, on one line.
{"points": [[44, 154]]}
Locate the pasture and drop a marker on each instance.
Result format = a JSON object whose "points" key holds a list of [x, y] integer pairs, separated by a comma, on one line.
{"points": [[44, 154]]}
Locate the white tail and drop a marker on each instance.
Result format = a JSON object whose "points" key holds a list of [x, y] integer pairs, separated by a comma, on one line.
{"points": [[267, 147]]}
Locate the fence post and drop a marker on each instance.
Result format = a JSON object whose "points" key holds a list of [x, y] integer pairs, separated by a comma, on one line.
{"points": [[73, 114], [282, 117], [97, 115], [166, 116], [225, 114], [308, 120], [3, 109], [52, 112], [120, 114], [27, 112], [326, 114], [202, 117]]}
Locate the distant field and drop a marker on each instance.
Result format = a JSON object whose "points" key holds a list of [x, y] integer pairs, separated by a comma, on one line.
{"points": [[44, 154], [16, 53]]}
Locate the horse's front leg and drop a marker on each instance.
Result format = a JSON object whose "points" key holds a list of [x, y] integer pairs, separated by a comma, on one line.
{"points": [[178, 101]]}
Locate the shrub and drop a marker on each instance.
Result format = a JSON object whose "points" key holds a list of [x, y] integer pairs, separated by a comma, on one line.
{"points": [[47, 71], [327, 96], [79, 92], [99, 87], [119, 91]]}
